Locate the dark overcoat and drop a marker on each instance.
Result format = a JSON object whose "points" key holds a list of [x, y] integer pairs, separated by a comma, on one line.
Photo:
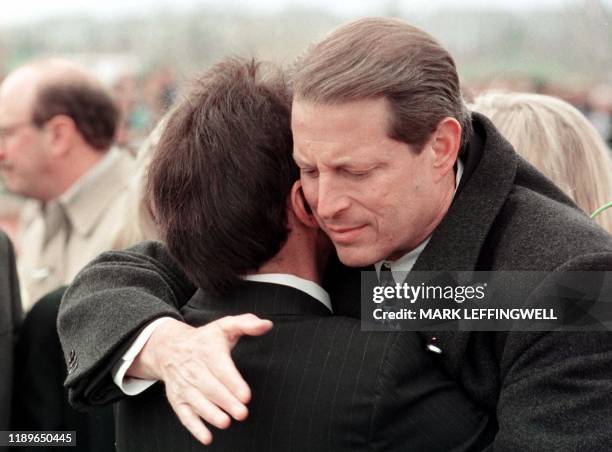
{"points": [[10, 319]]}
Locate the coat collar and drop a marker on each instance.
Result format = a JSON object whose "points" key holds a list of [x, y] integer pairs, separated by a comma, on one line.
{"points": [[457, 242], [490, 171], [262, 299], [89, 200]]}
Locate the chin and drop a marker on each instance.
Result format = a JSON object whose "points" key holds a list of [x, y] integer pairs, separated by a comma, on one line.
{"points": [[356, 257]]}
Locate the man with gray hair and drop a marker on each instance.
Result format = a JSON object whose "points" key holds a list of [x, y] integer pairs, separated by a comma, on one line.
{"points": [[401, 177]]}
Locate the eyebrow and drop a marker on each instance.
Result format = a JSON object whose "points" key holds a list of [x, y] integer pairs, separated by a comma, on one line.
{"points": [[296, 158]]}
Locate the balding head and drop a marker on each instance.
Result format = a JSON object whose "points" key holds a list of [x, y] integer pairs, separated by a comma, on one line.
{"points": [[59, 70], [46, 88], [17, 94], [49, 71]]}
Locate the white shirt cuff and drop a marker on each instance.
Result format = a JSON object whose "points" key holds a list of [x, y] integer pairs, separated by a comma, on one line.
{"points": [[129, 385]]}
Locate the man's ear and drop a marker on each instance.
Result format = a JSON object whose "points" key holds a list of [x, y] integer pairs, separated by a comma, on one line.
{"points": [[300, 207], [445, 143], [61, 134]]}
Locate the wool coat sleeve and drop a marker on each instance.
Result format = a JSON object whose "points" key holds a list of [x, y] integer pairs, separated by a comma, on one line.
{"points": [[556, 391], [105, 308]]}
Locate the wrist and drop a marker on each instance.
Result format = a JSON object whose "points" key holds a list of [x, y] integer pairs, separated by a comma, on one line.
{"points": [[148, 364]]}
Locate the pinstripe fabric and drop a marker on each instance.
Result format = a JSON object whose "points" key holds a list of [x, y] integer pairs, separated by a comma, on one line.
{"points": [[318, 383]]}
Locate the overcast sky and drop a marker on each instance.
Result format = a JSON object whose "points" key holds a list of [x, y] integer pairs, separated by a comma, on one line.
{"points": [[20, 11]]}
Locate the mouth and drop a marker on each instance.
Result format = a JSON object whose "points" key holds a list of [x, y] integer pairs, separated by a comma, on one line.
{"points": [[344, 235]]}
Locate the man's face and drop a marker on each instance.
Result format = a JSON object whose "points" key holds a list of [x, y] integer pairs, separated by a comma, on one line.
{"points": [[373, 196], [23, 162]]}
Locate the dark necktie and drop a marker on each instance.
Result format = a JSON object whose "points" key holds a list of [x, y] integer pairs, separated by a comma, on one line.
{"points": [[385, 278]]}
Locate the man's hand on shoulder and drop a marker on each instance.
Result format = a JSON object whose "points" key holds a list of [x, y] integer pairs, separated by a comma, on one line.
{"points": [[195, 364]]}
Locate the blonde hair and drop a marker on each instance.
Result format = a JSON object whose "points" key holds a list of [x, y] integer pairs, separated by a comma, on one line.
{"points": [[559, 141]]}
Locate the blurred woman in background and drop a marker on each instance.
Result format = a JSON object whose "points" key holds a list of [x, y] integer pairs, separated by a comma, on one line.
{"points": [[559, 141]]}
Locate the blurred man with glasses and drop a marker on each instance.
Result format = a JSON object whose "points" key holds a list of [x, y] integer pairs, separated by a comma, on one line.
{"points": [[57, 128]]}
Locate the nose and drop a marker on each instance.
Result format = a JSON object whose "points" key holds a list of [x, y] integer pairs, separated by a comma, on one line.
{"points": [[332, 200]]}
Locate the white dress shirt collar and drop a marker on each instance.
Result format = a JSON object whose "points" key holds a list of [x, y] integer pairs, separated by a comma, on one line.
{"points": [[305, 285]]}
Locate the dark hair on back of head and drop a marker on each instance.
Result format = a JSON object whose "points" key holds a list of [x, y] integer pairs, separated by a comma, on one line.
{"points": [[222, 173]]}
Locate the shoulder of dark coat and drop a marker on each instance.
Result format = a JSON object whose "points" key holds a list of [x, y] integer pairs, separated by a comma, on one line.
{"points": [[536, 231]]}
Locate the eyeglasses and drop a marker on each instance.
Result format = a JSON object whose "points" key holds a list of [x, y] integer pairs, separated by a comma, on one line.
{"points": [[7, 131]]}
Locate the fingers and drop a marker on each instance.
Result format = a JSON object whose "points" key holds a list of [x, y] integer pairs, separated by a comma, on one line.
{"points": [[244, 324], [193, 413], [202, 382], [192, 422], [227, 388], [233, 327], [207, 410]]}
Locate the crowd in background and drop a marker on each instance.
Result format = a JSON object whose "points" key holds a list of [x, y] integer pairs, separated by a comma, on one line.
{"points": [[143, 99]]}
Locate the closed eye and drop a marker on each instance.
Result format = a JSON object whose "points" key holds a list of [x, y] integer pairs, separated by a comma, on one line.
{"points": [[309, 172], [355, 174]]}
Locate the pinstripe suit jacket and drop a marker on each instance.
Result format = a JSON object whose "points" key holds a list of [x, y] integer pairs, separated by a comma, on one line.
{"points": [[318, 383]]}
